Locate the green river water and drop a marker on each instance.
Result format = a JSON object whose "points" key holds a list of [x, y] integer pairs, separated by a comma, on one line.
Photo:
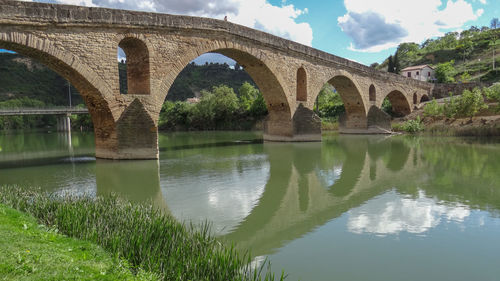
{"points": [[348, 208]]}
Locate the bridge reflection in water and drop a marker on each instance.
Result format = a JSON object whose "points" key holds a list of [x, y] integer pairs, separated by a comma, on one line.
{"points": [[265, 196]]}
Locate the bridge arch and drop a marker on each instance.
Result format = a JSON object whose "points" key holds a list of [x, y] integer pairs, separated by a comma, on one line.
{"points": [[355, 109], [269, 83], [424, 98], [93, 89], [400, 103], [278, 124]]}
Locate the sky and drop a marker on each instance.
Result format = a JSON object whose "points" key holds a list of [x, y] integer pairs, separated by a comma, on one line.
{"points": [[365, 31]]}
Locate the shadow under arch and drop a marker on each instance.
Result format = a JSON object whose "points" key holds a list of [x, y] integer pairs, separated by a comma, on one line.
{"points": [[355, 112], [424, 98], [400, 104], [69, 67]]}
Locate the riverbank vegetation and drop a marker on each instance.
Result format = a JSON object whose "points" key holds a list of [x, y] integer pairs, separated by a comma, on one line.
{"points": [[30, 251], [473, 113], [141, 235], [218, 108]]}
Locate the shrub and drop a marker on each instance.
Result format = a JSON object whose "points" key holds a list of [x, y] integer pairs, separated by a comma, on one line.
{"points": [[432, 109], [470, 103], [493, 93], [329, 103], [413, 126], [387, 106], [450, 107]]}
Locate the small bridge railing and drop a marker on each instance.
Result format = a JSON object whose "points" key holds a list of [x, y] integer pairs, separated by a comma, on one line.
{"points": [[60, 110]]}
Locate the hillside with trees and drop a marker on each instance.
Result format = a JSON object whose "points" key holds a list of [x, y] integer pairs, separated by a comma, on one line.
{"points": [[457, 56]]}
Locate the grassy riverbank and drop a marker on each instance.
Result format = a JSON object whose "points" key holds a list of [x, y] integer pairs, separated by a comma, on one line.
{"points": [[29, 251], [141, 235]]}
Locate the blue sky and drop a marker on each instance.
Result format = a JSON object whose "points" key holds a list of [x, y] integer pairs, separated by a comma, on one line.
{"points": [[365, 31]]}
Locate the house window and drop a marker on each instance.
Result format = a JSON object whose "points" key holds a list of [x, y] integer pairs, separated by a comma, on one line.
{"points": [[428, 74], [417, 73], [409, 74]]}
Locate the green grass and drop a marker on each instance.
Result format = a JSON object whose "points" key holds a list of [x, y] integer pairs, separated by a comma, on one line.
{"points": [[329, 124], [29, 251], [141, 235]]}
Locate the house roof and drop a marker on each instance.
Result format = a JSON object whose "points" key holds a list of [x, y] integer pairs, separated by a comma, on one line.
{"points": [[416, 67]]}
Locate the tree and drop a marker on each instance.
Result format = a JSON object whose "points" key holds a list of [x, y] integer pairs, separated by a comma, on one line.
{"points": [[329, 103], [390, 66], [397, 65], [495, 23], [470, 103], [445, 72], [374, 65]]}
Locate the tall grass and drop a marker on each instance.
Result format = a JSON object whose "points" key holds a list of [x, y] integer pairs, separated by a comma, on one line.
{"points": [[145, 237]]}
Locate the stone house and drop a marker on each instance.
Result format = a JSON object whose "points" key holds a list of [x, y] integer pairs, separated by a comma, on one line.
{"points": [[419, 72]]}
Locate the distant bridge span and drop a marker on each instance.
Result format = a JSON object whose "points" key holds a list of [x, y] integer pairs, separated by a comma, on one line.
{"points": [[81, 44], [42, 111]]}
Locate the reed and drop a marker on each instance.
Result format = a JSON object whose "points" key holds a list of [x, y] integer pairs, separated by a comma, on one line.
{"points": [[140, 234]]}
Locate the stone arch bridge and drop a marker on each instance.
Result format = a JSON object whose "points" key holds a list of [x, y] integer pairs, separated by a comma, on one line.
{"points": [[81, 44]]}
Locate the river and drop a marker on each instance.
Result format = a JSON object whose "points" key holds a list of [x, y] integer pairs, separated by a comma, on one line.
{"points": [[348, 208]]}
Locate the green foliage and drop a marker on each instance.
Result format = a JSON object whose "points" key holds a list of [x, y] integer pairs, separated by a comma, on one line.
{"points": [[142, 235], [449, 109], [397, 64], [195, 78], [387, 106], [219, 108], [470, 103], [248, 94], [329, 103], [30, 251], [493, 93], [432, 109], [445, 72], [81, 121], [21, 77], [471, 49], [466, 105], [215, 109], [390, 65], [412, 126], [174, 115], [252, 100]]}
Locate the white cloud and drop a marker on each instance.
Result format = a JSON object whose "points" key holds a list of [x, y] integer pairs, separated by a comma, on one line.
{"points": [[420, 19], [393, 213], [258, 14]]}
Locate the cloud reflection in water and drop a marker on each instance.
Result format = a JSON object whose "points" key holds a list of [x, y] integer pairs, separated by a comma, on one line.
{"points": [[392, 213]]}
